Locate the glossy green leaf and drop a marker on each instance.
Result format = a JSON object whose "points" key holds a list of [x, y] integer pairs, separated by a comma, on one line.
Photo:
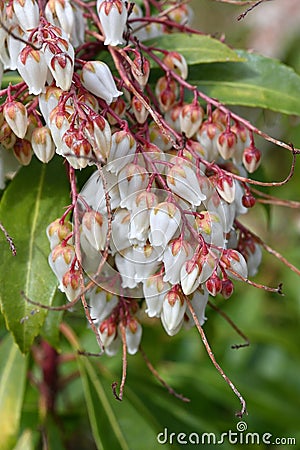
{"points": [[34, 198], [258, 82], [50, 330], [195, 48], [12, 385]]}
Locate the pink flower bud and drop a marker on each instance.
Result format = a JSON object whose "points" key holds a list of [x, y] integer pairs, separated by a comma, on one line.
{"points": [[166, 91], [71, 284], [140, 69], [107, 331], [7, 136], [191, 117], [214, 285], [251, 158], [61, 66], [23, 151], [158, 138], [57, 232], [208, 135], [15, 114], [42, 144], [139, 110], [226, 144], [176, 62], [98, 133], [227, 288], [189, 276], [77, 145], [113, 17], [248, 200], [225, 186], [96, 77]]}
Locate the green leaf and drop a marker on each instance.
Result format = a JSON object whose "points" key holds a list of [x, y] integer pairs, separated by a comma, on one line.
{"points": [[195, 48], [26, 441], [12, 385], [34, 198], [50, 330], [258, 82]]}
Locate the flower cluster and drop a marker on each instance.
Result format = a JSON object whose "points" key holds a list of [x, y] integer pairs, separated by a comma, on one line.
{"points": [[156, 224]]}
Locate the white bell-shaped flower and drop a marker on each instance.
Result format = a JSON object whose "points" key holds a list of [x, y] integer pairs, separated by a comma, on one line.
{"points": [[61, 13], [71, 284], [189, 276], [146, 261], [122, 151], [49, 100], [8, 165], [210, 226], [253, 255], [225, 186], [33, 69], [42, 144], [199, 301], [113, 17], [61, 66], [175, 255], [165, 219], [120, 231], [140, 216], [15, 45], [98, 133], [173, 311], [234, 264], [95, 226], [27, 13], [131, 179], [155, 289], [133, 333], [60, 260], [126, 266], [15, 114], [183, 181], [97, 78], [191, 116], [101, 304]]}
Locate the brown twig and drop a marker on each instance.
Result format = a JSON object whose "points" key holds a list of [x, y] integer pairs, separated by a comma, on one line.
{"points": [[213, 360], [9, 240], [158, 377], [124, 367]]}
